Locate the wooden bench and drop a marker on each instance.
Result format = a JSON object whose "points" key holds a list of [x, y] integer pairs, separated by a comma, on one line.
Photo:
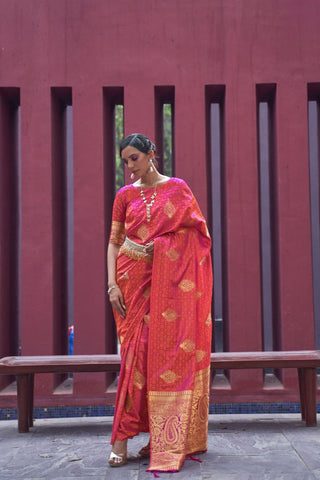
{"points": [[24, 368]]}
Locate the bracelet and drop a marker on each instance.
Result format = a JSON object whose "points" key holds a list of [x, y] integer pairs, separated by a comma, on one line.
{"points": [[111, 288]]}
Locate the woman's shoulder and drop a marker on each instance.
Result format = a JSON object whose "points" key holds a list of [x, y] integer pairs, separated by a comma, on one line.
{"points": [[124, 190], [178, 181]]}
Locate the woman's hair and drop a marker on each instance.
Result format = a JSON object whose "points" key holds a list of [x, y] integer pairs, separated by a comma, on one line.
{"points": [[138, 141]]}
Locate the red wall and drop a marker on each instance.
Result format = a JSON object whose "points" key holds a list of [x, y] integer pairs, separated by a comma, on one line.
{"points": [[90, 44]]}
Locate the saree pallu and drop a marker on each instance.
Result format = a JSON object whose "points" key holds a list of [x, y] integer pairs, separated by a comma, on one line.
{"points": [[166, 342]]}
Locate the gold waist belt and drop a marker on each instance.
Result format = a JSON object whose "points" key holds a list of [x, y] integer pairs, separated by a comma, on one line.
{"points": [[135, 250]]}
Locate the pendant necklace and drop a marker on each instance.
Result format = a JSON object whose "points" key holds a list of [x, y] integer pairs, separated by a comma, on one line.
{"points": [[149, 205]]}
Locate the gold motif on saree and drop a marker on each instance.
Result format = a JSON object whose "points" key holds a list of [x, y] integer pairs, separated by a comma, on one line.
{"points": [[203, 259], [143, 233], [117, 232], [169, 209], [169, 415], [208, 320], [188, 345], [147, 292], [170, 315], [200, 354], [198, 428], [146, 319], [125, 276], [173, 254], [198, 295], [128, 403], [129, 359], [139, 380], [182, 230], [169, 376], [186, 285], [121, 339]]}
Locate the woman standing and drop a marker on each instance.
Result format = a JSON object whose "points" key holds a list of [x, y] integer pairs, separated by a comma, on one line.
{"points": [[160, 288]]}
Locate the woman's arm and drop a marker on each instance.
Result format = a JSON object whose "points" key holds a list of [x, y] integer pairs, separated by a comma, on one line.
{"points": [[115, 294]]}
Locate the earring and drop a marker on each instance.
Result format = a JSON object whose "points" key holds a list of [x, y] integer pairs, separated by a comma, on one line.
{"points": [[151, 167], [132, 176]]}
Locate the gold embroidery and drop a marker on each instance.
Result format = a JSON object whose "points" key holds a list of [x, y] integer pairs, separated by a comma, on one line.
{"points": [[198, 295], [169, 376], [200, 354], [169, 209], [170, 315], [203, 259], [188, 345], [186, 285], [198, 427], [182, 230], [146, 319], [179, 423], [128, 403], [139, 379], [208, 320], [173, 254], [125, 276], [147, 292], [134, 254], [117, 232], [169, 425], [143, 233], [129, 359], [121, 339]]}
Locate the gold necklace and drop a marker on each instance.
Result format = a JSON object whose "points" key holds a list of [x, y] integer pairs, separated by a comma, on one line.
{"points": [[149, 205]]}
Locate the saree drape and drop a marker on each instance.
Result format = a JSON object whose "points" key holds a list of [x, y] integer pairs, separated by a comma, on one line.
{"points": [[166, 336]]}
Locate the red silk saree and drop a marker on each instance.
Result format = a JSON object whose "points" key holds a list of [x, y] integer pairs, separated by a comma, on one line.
{"points": [[166, 336]]}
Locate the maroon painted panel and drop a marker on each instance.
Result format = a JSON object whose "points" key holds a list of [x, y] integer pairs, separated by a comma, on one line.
{"points": [[86, 46]]}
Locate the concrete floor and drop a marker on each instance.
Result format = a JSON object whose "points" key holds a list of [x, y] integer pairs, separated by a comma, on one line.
{"points": [[240, 447]]}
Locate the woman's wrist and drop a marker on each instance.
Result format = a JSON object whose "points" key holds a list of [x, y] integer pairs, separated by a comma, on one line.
{"points": [[111, 287]]}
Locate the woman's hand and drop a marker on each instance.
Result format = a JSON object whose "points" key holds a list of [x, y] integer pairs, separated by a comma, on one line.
{"points": [[117, 301]]}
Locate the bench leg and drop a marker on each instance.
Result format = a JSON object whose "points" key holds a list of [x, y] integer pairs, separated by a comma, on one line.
{"points": [[302, 389], [23, 402], [307, 384], [30, 399]]}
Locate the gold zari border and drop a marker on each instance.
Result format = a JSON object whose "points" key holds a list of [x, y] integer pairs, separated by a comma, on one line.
{"points": [[179, 423]]}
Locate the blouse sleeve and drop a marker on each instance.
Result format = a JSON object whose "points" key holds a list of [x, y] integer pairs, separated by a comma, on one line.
{"points": [[117, 233]]}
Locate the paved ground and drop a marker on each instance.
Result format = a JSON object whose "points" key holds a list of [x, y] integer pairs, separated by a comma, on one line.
{"points": [[240, 447]]}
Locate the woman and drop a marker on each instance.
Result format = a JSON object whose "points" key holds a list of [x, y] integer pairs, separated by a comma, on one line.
{"points": [[160, 287]]}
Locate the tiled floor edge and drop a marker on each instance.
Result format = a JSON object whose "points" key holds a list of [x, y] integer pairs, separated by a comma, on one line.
{"points": [[107, 410]]}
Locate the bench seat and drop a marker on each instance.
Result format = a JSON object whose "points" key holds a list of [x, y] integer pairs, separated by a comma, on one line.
{"points": [[25, 367]]}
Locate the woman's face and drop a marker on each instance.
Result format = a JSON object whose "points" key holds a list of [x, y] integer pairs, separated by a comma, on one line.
{"points": [[137, 162]]}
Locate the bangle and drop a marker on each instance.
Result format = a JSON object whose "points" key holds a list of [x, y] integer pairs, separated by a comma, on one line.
{"points": [[111, 288]]}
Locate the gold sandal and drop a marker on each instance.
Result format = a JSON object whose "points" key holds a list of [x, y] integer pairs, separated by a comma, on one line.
{"points": [[114, 456]]}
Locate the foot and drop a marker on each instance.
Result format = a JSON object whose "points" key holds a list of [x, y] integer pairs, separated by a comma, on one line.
{"points": [[118, 455], [145, 451]]}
